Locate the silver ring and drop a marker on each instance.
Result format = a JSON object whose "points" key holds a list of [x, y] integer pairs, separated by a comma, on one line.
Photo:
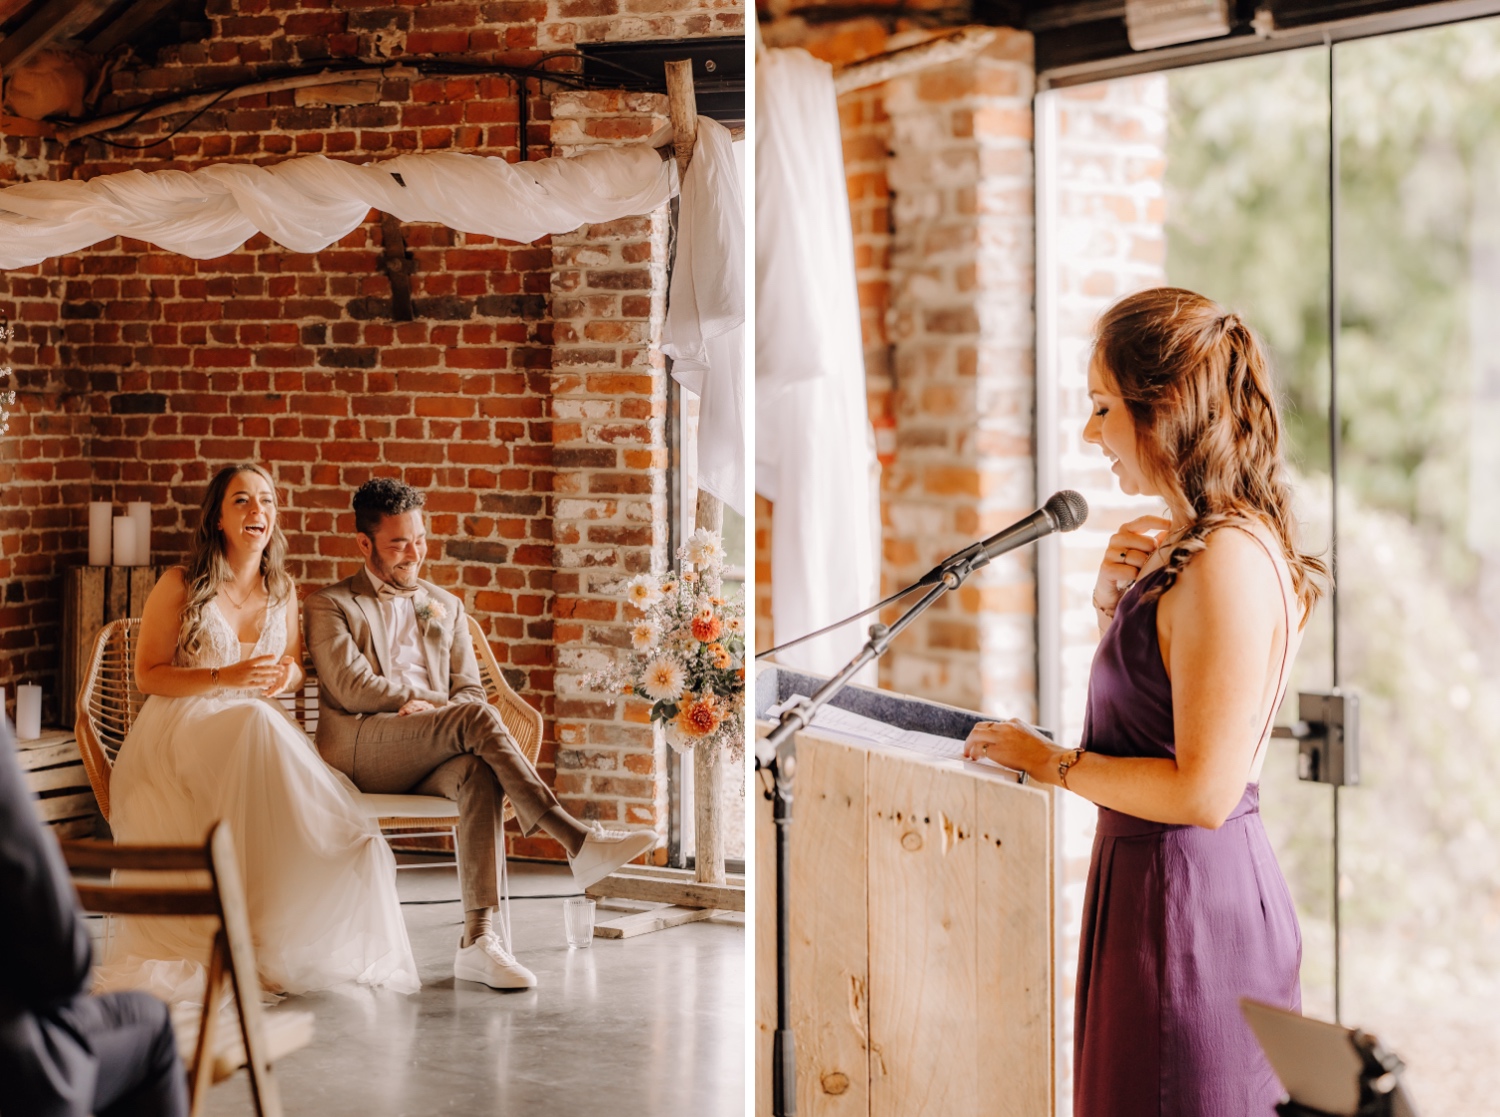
{"points": [[1025, 777]]}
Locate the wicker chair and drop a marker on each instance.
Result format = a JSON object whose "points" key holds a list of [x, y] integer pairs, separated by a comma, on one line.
{"points": [[108, 703]]}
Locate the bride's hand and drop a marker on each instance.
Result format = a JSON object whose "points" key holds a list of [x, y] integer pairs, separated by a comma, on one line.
{"points": [[284, 668], [255, 673]]}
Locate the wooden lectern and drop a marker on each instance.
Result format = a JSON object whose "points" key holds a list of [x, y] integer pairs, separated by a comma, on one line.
{"points": [[921, 924]]}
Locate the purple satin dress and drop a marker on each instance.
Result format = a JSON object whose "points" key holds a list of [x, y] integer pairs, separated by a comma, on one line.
{"points": [[1179, 922]]}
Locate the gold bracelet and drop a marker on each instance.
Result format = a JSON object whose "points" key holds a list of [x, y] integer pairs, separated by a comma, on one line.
{"points": [[1065, 764]]}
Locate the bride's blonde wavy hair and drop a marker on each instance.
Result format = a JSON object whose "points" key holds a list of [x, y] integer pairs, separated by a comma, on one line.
{"points": [[1197, 384], [207, 569]]}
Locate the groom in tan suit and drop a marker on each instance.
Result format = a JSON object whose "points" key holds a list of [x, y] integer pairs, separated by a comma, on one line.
{"points": [[401, 709]]}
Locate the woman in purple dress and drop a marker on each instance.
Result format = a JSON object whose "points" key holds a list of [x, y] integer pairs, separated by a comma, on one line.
{"points": [[1200, 615]]}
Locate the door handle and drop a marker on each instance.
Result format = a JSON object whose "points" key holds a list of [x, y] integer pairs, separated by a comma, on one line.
{"points": [[1327, 736]]}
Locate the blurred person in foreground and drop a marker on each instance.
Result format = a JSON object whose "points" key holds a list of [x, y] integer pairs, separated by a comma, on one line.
{"points": [[1201, 614], [64, 1053]]}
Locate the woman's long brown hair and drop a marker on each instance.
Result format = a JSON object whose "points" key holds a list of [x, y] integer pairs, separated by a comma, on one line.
{"points": [[207, 568], [1197, 384]]}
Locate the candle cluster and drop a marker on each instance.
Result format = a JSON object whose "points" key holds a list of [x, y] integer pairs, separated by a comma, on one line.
{"points": [[126, 539]]}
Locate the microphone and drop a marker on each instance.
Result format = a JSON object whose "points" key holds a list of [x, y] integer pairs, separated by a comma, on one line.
{"points": [[1064, 511]]}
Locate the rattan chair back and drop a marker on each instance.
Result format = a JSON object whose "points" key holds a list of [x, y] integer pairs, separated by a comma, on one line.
{"points": [[108, 703]]}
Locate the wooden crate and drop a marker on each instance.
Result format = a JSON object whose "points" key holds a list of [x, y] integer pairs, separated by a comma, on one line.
{"points": [[92, 597], [921, 930], [54, 772]]}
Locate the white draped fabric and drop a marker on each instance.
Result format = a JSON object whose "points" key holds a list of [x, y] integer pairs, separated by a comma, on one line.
{"points": [[308, 203], [814, 449], [705, 328]]}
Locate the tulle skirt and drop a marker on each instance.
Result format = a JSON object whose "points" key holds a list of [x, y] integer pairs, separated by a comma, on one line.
{"points": [[319, 880]]}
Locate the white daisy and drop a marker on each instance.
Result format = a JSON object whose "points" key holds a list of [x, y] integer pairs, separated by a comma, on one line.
{"points": [[663, 680], [704, 547], [642, 591], [643, 636]]}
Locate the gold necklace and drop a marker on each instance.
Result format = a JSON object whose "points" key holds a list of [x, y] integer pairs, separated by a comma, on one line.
{"points": [[224, 589]]}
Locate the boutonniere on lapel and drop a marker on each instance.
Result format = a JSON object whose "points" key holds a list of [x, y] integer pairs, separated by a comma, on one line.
{"points": [[428, 610]]}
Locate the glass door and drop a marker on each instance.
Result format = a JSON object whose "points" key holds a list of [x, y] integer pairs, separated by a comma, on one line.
{"points": [[1417, 117], [1346, 200]]}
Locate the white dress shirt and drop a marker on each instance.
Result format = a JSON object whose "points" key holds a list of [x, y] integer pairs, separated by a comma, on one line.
{"points": [[408, 662]]}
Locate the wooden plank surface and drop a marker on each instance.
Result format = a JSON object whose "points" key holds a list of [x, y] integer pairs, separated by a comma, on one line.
{"points": [[67, 806], [52, 747], [1014, 1066], [924, 938], [39, 780], [645, 922], [687, 893], [116, 593], [85, 827], [830, 948]]}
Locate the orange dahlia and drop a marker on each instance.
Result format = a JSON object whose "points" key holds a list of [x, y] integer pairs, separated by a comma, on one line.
{"points": [[698, 715], [707, 627]]}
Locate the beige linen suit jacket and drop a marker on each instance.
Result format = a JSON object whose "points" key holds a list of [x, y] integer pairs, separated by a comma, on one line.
{"points": [[348, 642]]}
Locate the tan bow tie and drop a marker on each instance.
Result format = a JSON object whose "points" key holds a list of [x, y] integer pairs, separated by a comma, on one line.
{"points": [[385, 589]]}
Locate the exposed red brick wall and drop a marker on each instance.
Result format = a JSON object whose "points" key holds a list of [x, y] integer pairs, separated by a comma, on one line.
{"points": [[42, 470], [530, 377]]}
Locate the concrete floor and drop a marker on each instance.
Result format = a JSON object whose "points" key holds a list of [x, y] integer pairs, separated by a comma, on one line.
{"points": [[653, 1026]]}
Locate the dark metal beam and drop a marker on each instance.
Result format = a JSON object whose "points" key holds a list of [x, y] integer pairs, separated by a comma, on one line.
{"points": [[1099, 51]]}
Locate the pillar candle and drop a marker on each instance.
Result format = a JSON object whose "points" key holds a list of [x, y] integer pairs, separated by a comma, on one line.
{"points": [[100, 514], [124, 541], [28, 712], [140, 513]]}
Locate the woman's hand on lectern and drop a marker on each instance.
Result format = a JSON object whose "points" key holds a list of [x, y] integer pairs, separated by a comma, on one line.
{"points": [[1013, 744], [1129, 550]]}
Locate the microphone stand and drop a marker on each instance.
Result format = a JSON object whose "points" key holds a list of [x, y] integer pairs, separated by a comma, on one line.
{"points": [[780, 760]]}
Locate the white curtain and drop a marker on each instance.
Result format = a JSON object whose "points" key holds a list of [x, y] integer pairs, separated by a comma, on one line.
{"points": [[705, 328], [308, 203], [814, 449]]}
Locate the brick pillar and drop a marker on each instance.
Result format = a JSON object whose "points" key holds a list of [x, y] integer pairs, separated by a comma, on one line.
{"points": [[609, 405], [961, 332]]}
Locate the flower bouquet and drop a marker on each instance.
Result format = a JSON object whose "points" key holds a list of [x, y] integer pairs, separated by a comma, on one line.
{"points": [[689, 645]]}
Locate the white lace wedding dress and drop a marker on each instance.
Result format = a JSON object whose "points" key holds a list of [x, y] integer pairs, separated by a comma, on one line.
{"points": [[319, 880]]}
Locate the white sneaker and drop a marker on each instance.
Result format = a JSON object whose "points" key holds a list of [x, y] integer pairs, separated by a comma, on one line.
{"points": [[485, 960], [604, 851]]}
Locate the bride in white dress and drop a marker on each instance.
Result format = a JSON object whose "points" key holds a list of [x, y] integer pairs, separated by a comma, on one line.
{"points": [[218, 639]]}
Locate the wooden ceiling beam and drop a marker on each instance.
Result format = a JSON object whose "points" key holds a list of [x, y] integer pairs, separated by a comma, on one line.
{"points": [[53, 22], [135, 18], [9, 8]]}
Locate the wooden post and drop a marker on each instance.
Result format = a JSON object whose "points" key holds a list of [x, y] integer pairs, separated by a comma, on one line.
{"points": [[708, 512]]}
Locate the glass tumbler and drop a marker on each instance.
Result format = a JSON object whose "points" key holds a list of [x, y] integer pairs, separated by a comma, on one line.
{"points": [[578, 920]]}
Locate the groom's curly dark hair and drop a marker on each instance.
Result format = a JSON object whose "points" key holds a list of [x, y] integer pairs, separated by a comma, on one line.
{"points": [[380, 497]]}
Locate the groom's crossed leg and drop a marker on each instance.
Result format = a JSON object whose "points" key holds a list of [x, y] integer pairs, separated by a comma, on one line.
{"points": [[463, 751]]}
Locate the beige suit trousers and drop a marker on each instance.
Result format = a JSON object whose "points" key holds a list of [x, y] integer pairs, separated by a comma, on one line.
{"points": [[461, 751]]}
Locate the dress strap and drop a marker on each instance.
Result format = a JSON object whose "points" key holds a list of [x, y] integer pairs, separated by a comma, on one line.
{"points": [[1286, 643]]}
